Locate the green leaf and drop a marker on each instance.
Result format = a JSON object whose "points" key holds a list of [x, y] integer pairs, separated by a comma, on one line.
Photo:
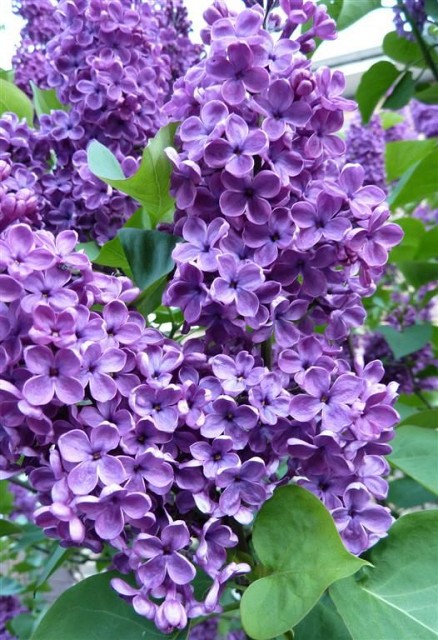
{"points": [[398, 598], [419, 273], [7, 74], [58, 556], [92, 610], [373, 86], [296, 540], [417, 183], [322, 623], [91, 249], [22, 626], [431, 7], [334, 7], [8, 528], [45, 100], [403, 50], [14, 100], [352, 11], [405, 493], [6, 498], [104, 164], [112, 255], [149, 254], [428, 95], [390, 119], [150, 185], [401, 155], [428, 418], [414, 231], [428, 247], [151, 297], [401, 93], [415, 452], [410, 340]]}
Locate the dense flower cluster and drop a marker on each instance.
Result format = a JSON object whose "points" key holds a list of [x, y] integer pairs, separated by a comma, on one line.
{"points": [[425, 117], [175, 28], [409, 14], [365, 144], [124, 432], [280, 241], [113, 64], [166, 449], [39, 27], [24, 158]]}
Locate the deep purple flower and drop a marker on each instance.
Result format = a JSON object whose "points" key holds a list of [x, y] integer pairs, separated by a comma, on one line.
{"points": [[201, 244], [96, 370], [269, 399], [237, 283], [250, 196], [158, 404], [242, 484], [230, 419], [113, 509], [361, 522], [240, 73], [235, 154], [331, 401], [216, 456], [53, 375], [279, 107], [163, 557], [320, 222], [90, 455]]}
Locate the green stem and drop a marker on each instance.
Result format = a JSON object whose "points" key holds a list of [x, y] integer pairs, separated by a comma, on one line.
{"points": [[420, 41], [22, 483], [289, 635], [266, 351], [228, 608]]}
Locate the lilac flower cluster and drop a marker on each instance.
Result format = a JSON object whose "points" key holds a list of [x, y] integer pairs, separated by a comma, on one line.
{"points": [[10, 607], [409, 13], [280, 242], [365, 144], [39, 27], [24, 157], [425, 117], [165, 450], [113, 64], [175, 28]]}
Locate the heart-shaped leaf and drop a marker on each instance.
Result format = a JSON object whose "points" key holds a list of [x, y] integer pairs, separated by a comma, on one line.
{"points": [[297, 542], [414, 451], [398, 598]]}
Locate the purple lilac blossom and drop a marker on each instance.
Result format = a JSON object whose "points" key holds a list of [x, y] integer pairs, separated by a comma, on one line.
{"points": [[114, 65], [179, 442], [425, 118], [195, 435], [408, 13], [365, 145]]}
